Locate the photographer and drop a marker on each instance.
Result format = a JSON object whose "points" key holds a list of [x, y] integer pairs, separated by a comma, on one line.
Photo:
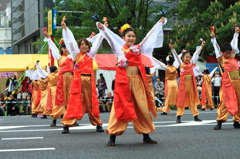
{"points": [[11, 85], [12, 105]]}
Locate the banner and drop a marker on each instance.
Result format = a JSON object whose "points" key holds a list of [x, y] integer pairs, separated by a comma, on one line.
{"points": [[211, 66], [6, 74]]}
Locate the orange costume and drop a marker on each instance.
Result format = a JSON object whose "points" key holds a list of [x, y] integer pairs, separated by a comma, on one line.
{"points": [[229, 91], [63, 86], [171, 88], [36, 95], [187, 93], [43, 85], [133, 99], [52, 80], [83, 95], [207, 92]]}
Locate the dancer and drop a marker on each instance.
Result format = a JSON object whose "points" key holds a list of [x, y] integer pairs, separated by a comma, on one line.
{"points": [[133, 95], [36, 93], [187, 93], [83, 95], [230, 88], [207, 89], [171, 88]]}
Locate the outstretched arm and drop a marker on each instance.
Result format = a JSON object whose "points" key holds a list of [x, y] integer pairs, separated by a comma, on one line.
{"points": [[197, 53], [177, 59], [213, 71], [234, 42], [95, 46], [217, 48], [52, 46]]}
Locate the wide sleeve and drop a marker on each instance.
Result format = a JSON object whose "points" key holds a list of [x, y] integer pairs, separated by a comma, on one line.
{"points": [[212, 72], [42, 73], [234, 43], [70, 42], [216, 48], [154, 39], [28, 73], [113, 40], [177, 58], [53, 47], [196, 54], [95, 45]]}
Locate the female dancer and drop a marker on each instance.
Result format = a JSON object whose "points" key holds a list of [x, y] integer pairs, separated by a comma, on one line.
{"points": [[187, 93], [171, 88], [83, 95], [133, 96], [207, 89]]}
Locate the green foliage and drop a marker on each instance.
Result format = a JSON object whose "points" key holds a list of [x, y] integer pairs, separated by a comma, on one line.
{"points": [[195, 17]]}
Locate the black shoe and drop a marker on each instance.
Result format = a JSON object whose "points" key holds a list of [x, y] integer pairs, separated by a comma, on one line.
{"points": [[218, 126], [34, 115], [44, 117], [236, 124], [211, 108], [53, 123], [65, 130], [148, 140], [111, 142], [61, 116], [99, 128], [178, 119], [76, 124], [197, 119], [163, 113], [202, 109]]}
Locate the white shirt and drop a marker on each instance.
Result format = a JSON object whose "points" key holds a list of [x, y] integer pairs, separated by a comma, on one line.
{"points": [[216, 81]]}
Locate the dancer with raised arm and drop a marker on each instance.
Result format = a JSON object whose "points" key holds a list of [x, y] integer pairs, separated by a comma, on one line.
{"points": [[230, 87], [83, 95], [133, 95], [187, 92]]}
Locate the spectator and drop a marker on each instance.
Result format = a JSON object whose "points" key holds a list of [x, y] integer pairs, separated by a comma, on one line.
{"points": [[102, 85], [27, 105], [158, 102], [159, 86], [216, 80], [154, 80], [199, 85], [2, 105], [24, 83], [12, 106], [113, 84], [102, 103], [109, 101], [5, 96], [11, 84]]}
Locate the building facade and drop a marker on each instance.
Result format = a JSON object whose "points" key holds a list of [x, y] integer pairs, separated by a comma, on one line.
{"points": [[27, 23]]}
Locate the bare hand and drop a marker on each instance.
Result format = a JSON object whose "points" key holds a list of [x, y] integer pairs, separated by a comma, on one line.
{"points": [[212, 35], [162, 20], [237, 30], [100, 26], [13, 108], [63, 24], [45, 34], [171, 46], [203, 43]]}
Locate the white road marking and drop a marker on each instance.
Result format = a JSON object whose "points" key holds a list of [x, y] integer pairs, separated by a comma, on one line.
{"points": [[30, 149], [22, 138]]}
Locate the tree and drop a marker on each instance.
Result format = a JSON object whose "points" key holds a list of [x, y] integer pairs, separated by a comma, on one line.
{"points": [[195, 17]]}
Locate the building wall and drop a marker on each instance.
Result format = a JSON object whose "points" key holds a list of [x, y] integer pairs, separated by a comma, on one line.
{"points": [[27, 23]]}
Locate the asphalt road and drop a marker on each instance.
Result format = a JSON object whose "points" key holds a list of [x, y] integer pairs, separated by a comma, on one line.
{"points": [[28, 138]]}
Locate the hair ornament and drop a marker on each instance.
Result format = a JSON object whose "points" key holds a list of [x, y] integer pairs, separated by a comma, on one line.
{"points": [[163, 12], [124, 27], [61, 41]]}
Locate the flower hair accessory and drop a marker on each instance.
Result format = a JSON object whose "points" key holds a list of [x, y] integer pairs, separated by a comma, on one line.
{"points": [[61, 41], [124, 27], [76, 66], [184, 51], [135, 48]]}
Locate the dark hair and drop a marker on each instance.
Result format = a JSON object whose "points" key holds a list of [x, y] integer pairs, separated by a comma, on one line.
{"points": [[53, 68], [127, 30], [62, 46], [226, 47], [185, 53], [85, 41], [171, 60], [206, 71], [100, 74], [103, 79]]}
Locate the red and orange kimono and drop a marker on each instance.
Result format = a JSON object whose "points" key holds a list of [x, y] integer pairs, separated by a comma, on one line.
{"points": [[133, 99], [52, 80], [63, 86], [36, 96], [83, 95], [43, 85], [207, 92], [229, 90], [171, 88], [187, 93]]}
